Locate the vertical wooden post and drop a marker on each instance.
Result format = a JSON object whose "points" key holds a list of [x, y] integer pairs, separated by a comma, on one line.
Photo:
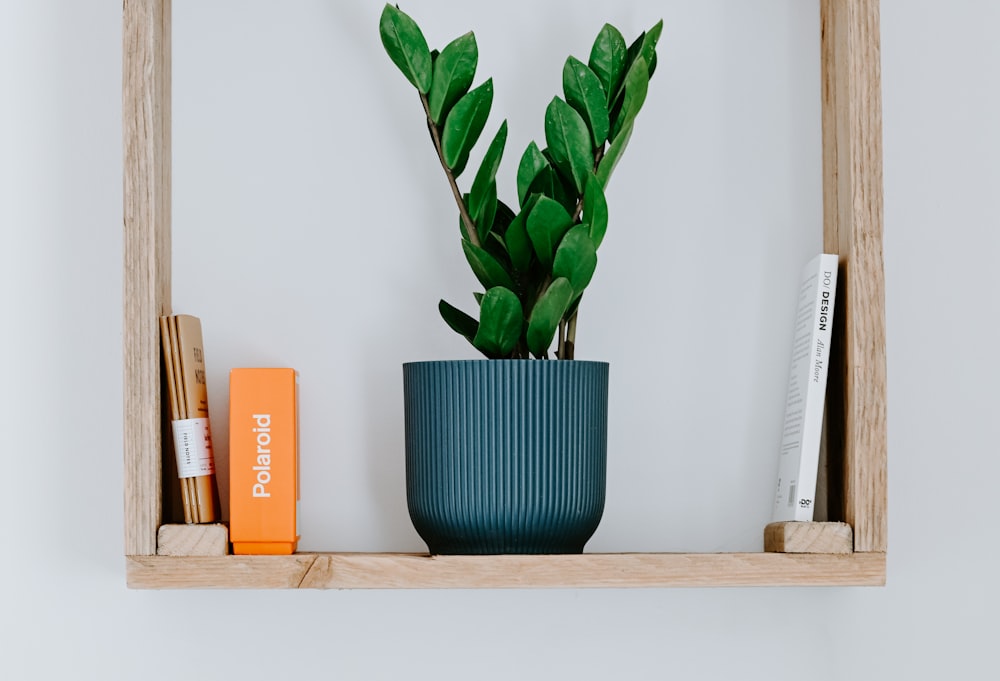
{"points": [[146, 138], [852, 191]]}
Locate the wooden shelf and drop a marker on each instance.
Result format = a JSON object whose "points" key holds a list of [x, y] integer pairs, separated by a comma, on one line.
{"points": [[589, 570], [856, 409]]}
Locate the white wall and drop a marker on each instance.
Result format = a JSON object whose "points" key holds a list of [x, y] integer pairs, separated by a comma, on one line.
{"points": [[307, 193], [299, 148]]}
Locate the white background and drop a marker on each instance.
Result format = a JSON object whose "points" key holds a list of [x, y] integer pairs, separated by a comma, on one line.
{"points": [[312, 228]]}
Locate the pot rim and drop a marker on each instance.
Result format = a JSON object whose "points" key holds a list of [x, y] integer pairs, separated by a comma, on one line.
{"points": [[588, 362]]}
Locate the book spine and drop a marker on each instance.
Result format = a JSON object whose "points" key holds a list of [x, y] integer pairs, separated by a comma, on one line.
{"points": [[184, 359], [803, 423]]}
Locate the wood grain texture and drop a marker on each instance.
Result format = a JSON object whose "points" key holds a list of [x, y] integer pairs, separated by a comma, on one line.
{"points": [[852, 190], [229, 572], [146, 140], [799, 537], [416, 571], [192, 540], [852, 227]]}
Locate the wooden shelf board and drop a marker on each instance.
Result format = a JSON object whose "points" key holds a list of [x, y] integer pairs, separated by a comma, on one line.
{"points": [[420, 571]]}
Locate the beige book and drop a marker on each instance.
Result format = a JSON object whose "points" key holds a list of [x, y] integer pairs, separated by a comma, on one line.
{"points": [[184, 359]]}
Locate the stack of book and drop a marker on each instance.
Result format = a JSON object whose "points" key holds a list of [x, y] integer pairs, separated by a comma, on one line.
{"points": [[184, 359]]}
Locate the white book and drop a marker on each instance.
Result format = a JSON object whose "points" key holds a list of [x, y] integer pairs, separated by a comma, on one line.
{"points": [[798, 461]]}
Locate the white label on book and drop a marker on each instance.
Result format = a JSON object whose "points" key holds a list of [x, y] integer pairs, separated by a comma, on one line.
{"points": [[193, 447], [803, 424]]}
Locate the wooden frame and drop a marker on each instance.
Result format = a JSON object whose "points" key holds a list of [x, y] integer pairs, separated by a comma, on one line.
{"points": [[856, 425]]}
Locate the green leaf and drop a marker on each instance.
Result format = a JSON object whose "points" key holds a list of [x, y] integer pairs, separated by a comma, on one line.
{"points": [[549, 183], [494, 242], [503, 218], [576, 258], [636, 87], [500, 320], [634, 50], [518, 244], [569, 141], [453, 72], [585, 94], [487, 268], [491, 161], [546, 314], [573, 307], [406, 46], [614, 153], [546, 225], [459, 322], [533, 161], [595, 209], [485, 212], [464, 124], [648, 47], [607, 60], [483, 197], [495, 246]]}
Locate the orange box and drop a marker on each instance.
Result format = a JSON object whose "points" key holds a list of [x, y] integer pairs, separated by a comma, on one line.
{"points": [[263, 461]]}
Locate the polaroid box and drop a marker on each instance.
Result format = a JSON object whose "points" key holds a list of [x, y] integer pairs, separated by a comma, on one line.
{"points": [[263, 461]]}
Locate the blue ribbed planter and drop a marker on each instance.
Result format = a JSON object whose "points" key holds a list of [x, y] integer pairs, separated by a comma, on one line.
{"points": [[506, 456]]}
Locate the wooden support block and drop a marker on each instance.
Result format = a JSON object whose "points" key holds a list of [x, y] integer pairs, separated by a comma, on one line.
{"points": [[793, 537], [192, 540]]}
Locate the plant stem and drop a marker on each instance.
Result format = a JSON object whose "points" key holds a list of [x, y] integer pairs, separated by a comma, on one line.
{"points": [[470, 227], [570, 345], [567, 347]]}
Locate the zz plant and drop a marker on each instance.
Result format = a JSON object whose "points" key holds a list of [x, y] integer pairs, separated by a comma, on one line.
{"points": [[536, 262]]}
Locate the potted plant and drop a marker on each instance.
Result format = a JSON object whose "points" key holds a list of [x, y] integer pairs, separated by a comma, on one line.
{"points": [[508, 455]]}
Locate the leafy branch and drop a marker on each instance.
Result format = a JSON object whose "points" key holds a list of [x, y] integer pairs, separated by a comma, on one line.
{"points": [[535, 263], [463, 210]]}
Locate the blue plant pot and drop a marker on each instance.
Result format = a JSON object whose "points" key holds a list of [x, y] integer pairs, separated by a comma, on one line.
{"points": [[506, 456]]}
